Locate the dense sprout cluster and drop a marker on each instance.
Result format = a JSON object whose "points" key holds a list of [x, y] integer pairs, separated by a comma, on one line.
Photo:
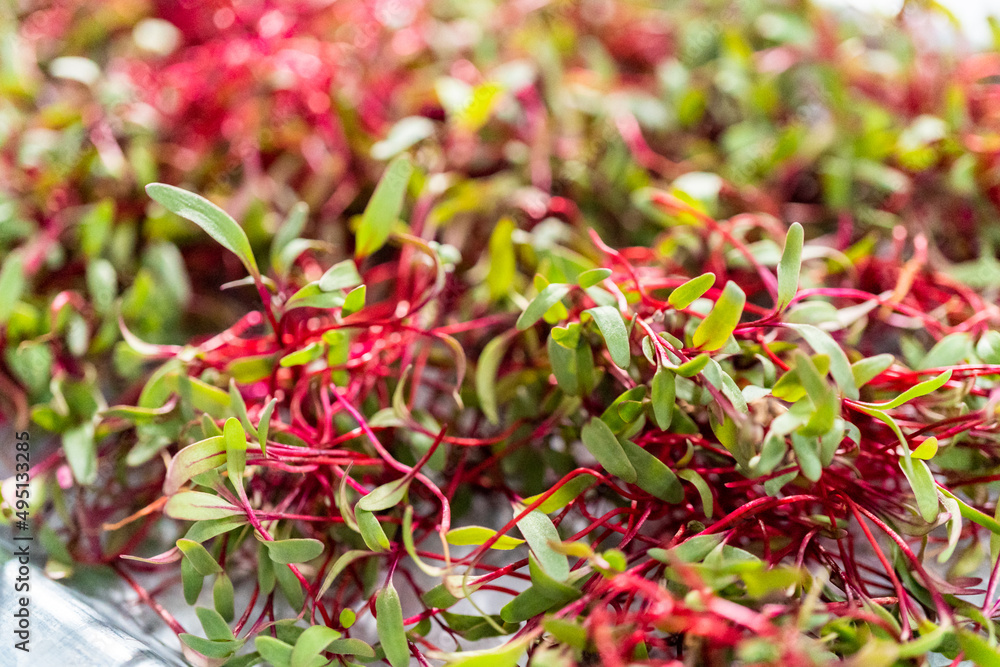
{"points": [[515, 355]]}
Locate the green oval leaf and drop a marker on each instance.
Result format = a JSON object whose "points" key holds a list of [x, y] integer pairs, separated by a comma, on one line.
{"points": [[389, 625], [539, 530], [223, 596], [652, 475], [383, 497], [81, 452], [686, 294], [663, 395], [201, 560], [592, 277], [311, 643], [840, 368], [924, 489], [486, 375], [216, 222], [197, 505], [342, 275], [478, 535], [707, 500], [264, 425], [371, 531], [351, 646], [866, 370], [790, 265], [715, 330], [384, 207], [293, 550], [612, 327], [600, 441], [562, 496], [214, 625], [548, 297], [354, 301], [193, 460], [209, 648], [275, 651], [236, 449]]}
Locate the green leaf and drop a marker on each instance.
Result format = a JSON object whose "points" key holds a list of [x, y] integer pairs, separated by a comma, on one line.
{"points": [[826, 405], [236, 449], [389, 624], [290, 586], [191, 581], [926, 449], [972, 514], [694, 366], [81, 452], [193, 460], [12, 284], [707, 500], [502, 261], [311, 296], [196, 506], [311, 643], [384, 208], [916, 391], [790, 265], [612, 327], [868, 369], [371, 531], [538, 529], [922, 482], [548, 297], [214, 625], [223, 596], [692, 550], [507, 655], [385, 496], [564, 365], [663, 397], [216, 222], [563, 496], [342, 275], [715, 330], [290, 551], [950, 350], [347, 616], [807, 453], [592, 277], [211, 649], [306, 355], [102, 284], [274, 651], [264, 425], [600, 441], [822, 343], [978, 650], [351, 646], [206, 530], [202, 561], [987, 349], [289, 230], [354, 301], [478, 535], [339, 566], [486, 375], [652, 475], [686, 294]]}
